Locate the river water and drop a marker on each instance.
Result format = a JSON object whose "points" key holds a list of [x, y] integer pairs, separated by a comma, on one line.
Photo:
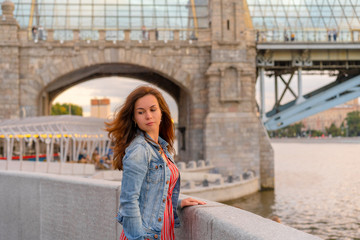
{"points": [[317, 188]]}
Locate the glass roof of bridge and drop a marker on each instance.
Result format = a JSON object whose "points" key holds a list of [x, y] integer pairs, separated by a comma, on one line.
{"points": [[309, 19], [305, 14], [112, 14]]}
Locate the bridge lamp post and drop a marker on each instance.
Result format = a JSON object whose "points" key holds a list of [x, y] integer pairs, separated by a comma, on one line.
{"points": [[300, 97], [262, 94]]}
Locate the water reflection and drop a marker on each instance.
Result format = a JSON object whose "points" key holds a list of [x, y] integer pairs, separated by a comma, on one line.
{"points": [[317, 189], [259, 203]]}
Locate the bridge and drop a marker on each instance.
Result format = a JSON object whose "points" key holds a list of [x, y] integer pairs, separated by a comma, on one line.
{"points": [[206, 54], [206, 63], [283, 60], [305, 37]]}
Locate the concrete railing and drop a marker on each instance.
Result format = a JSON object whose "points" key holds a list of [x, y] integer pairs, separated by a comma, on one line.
{"points": [[45, 206]]}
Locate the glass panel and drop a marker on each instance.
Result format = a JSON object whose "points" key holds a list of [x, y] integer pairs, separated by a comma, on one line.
{"points": [[61, 1], [303, 11], [326, 11], [60, 10], [83, 2], [123, 23], [59, 23], [111, 10], [73, 10], [136, 23], [148, 11], [337, 11], [111, 23], [349, 11], [160, 22], [48, 22], [85, 22], [99, 22], [86, 10], [257, 22], [99, 11], [291, 11], [73, 23]]}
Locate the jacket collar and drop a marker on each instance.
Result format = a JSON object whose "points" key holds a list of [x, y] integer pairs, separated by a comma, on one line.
{"points": [[161, 141]]}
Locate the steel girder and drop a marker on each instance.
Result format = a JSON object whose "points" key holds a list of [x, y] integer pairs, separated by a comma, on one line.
{"points": [[338, 94]]}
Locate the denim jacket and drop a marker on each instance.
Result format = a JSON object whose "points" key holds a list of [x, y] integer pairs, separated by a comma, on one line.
{"points": [[144, 189]]}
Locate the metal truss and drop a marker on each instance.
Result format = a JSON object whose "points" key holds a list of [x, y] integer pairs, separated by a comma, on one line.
{"points": [[339, 93], [287, 88]]}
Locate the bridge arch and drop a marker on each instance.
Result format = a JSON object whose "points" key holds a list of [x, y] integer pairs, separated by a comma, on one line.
{"points": [[59, 75], [63, 73]]}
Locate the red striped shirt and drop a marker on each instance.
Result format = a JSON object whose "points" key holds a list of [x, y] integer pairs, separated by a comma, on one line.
{"points": [[167, 231]]}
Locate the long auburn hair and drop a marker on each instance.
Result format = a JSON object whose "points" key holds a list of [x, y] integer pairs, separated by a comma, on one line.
{"points": [[122, 129]]}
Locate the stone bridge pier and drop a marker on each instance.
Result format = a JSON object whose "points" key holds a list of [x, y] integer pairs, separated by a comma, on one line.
{"points": [[211, 78]]}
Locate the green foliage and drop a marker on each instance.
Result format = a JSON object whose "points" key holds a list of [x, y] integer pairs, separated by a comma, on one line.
{"points": [[333, 130], [293, 130], [315, 133], [353, 123], [63, 109], [350, 127]]}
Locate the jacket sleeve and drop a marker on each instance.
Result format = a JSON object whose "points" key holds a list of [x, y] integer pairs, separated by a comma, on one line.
{"points": [[135, 166]]}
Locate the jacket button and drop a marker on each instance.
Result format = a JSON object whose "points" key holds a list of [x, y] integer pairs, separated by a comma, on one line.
{"points": [[164, 200], [155, 236], [159, 219], [156, 167], [167, 182]]}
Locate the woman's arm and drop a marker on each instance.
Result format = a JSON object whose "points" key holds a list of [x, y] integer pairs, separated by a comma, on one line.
{"points": [[135, 166]]}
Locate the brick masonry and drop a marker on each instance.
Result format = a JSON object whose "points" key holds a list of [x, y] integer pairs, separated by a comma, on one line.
{"points": [[212, 80]]}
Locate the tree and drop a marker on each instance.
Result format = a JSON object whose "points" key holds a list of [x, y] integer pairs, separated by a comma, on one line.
{"points": [[353, 123], [315, 133], [333, 130], [297, 128], [289, 131], [63, 109]]}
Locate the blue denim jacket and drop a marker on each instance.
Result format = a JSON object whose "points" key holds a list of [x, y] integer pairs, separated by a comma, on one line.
{"points": [[144, 189]]}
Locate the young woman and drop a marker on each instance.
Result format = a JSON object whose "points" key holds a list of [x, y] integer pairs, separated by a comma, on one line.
{"points": [[143, 134]]}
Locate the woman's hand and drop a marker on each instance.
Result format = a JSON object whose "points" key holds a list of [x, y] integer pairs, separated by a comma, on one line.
{"points": [[191, 202]]}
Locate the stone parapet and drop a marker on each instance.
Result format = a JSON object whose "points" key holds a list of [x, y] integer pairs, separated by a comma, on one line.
{"points": [[71, 36], [46, 206]]}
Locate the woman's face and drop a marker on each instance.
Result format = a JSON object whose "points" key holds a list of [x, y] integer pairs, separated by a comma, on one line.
{"points": [[147, 115]]}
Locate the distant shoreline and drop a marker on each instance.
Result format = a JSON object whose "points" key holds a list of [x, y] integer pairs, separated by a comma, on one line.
{"points": [[355, 140]]}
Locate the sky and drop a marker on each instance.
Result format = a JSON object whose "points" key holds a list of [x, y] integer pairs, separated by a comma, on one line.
{"points": [[117, 88], [114, 88]]}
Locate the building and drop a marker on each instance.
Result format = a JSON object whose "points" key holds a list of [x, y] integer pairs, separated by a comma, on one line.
{"points": [[335, 115], [100, 108]]}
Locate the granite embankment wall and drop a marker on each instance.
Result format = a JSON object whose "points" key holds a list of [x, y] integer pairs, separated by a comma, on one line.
{"points": [[37, 206]]}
